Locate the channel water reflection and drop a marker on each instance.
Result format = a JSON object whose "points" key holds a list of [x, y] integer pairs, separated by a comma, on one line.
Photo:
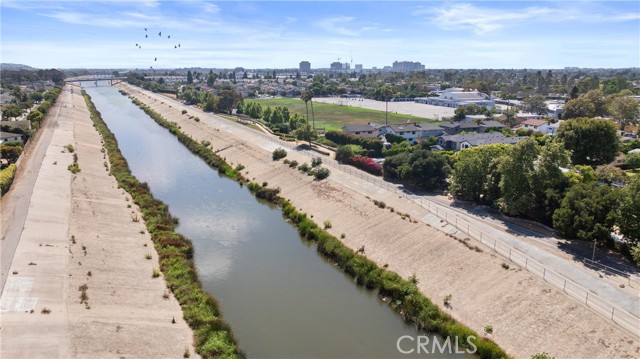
{"points": [[282, 299]]}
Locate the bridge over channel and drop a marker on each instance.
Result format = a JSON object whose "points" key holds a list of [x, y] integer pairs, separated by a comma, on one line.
{"points": [[96, 80]]}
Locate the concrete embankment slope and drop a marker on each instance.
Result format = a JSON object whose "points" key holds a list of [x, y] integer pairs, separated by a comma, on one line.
{"points": [[79, 237], [527, 315]]}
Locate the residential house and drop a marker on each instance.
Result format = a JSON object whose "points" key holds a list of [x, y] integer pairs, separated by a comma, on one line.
{"points": [[370, 130], [409, 131], [460, 142], [541, 126], [535, 125], [456, 97], [453, 128], [10, 137]]}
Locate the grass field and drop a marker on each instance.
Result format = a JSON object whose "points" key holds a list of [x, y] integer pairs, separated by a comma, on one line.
{"points": [[333, 117]]}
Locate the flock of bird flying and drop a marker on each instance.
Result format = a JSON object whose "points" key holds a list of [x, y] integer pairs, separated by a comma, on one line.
{"points": [[146, 36]]}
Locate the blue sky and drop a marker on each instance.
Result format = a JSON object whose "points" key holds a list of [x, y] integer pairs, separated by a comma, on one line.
{"points": [[268, 34]]}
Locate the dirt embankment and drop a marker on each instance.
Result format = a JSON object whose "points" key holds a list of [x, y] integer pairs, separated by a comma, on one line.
{"points": [[527, 315], [93, 263]]}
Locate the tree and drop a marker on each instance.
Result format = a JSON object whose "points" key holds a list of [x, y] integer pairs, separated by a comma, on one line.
{"points": [[624, 109], [510, 116], [536, 104], [633, 160], [599, 101], [35, 116], [189, 77], [423, 168], [472, 172], [344, 153], [609, 174], [615, 85], [591, 141], [518, 197], [579, 107], [549, 182], [228, 100], [306, 133], [590, 104], [211, 79], [629, 221], [587, 212]]}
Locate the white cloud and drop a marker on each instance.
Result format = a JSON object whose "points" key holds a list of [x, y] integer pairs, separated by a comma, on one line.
{"points": [[479, 20], [290, 19], [482, 20], [340, 25], [336, 24]]}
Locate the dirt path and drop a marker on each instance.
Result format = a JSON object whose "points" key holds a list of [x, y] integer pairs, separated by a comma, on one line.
{"points": [[79, 232], [528, 315]]}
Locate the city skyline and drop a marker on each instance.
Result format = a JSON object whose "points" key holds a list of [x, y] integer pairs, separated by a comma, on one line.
{"points": [[73, 34]]}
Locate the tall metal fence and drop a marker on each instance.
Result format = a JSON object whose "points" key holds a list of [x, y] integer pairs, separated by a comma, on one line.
{"points": [[622, 317]]}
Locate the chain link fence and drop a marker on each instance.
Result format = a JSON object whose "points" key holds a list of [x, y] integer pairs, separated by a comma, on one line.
{"points": [[623, 318]]}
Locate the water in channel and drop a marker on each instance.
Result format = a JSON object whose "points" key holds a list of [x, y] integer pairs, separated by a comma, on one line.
{"points": [[281, 298]]}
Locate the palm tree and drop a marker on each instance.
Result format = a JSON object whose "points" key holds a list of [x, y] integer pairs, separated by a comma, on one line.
{"points": [[313, 116], [306, 97]]}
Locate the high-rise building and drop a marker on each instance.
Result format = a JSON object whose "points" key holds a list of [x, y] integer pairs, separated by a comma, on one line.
{"points": [[407, 66], [358, 67], [305, 67], [336, 66]]}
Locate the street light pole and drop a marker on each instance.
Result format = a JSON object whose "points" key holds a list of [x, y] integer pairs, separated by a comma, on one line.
{"points": [[593, 257]]}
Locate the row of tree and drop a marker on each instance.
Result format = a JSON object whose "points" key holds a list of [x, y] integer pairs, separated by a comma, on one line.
{"points": [[596, 103], [224, 101], [542, 183]]}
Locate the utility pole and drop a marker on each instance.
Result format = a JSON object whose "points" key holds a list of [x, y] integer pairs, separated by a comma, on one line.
{"points": [[593, 257]]}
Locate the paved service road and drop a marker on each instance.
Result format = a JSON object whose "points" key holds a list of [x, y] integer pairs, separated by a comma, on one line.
{"points": [[15, 204]]}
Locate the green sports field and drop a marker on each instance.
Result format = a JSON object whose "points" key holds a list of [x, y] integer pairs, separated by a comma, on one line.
{"points": [[333, 117]]}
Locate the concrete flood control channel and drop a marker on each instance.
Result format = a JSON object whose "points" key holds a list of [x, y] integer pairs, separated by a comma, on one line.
{"points": [[276, 292]]}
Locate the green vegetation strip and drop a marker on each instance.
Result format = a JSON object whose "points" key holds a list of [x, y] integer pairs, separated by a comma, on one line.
{"points": [[6, 177], [213, 337], [403, 294]]}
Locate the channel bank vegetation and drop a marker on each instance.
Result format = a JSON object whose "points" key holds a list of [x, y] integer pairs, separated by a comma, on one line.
{"points": [[212, 335], [403, 295]]}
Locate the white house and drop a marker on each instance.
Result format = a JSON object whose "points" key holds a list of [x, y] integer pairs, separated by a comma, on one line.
{"points": [[541, 126], [10, 137], [456, 97]]}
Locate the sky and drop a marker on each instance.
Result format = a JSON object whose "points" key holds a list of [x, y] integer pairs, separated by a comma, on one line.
{"points": [[272, 34]]}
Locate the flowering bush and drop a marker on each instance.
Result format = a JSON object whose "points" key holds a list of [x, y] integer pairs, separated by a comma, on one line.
{"points": [[366, 164]]}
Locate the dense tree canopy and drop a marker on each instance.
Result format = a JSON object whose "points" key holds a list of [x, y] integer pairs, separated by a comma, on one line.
{"points": [[422, 168], [475, 176], [587, 212], [592, 141]]}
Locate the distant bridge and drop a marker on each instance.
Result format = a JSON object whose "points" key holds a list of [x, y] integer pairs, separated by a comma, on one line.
{"points": [[95, 80]]}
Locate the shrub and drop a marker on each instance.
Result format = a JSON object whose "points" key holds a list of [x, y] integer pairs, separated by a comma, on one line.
{"points": [[6, 178], [488, 329], [293, 164], [505, 265], [74, 168], [366, 164], [327, 224], [69, 148], [304, 168], [278, 153], [316, 161], [321, 173], [184, 112]]}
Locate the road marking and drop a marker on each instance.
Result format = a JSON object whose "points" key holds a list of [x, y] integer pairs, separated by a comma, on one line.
{"points": [[15, 296]]}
